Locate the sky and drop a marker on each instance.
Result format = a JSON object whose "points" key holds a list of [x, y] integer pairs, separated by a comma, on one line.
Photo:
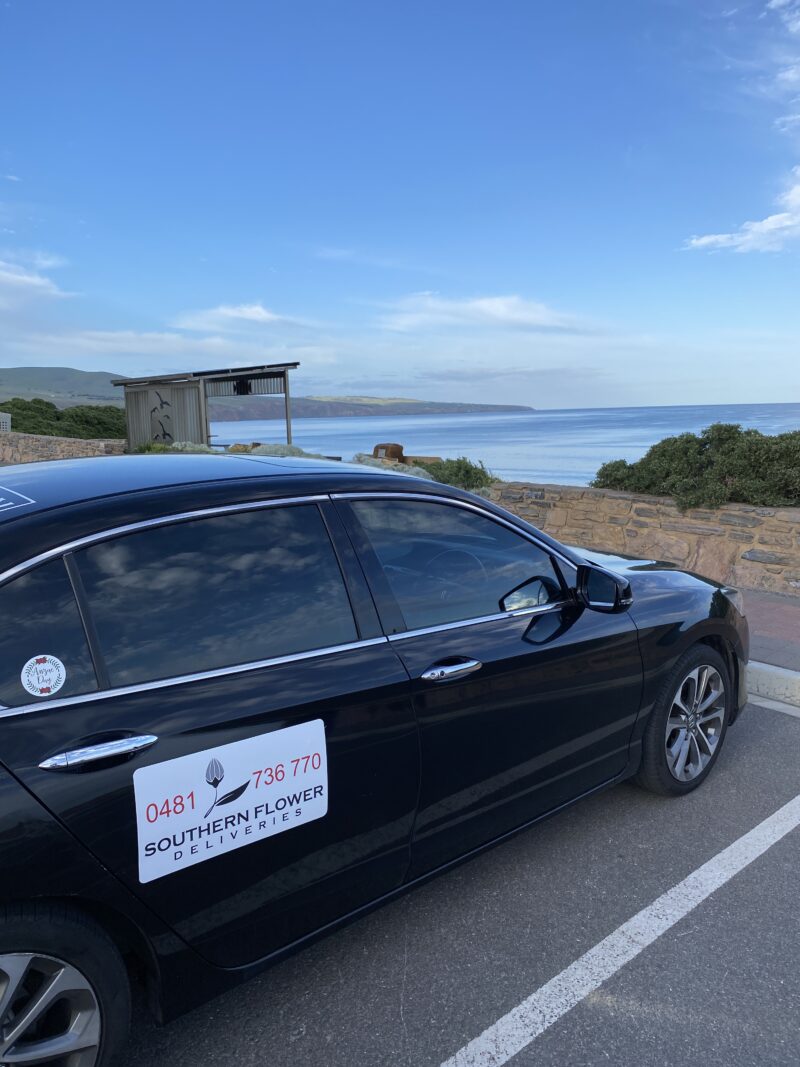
{"points": [[561, 204]]}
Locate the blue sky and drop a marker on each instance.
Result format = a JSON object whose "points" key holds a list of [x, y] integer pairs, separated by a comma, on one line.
{"points": [[560, 204]]}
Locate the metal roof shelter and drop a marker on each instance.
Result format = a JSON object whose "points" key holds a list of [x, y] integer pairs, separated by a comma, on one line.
{"points": [[174, 407]]}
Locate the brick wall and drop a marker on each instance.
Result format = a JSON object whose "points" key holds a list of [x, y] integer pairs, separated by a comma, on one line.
{"points": [[30, 447], [756, 547]]}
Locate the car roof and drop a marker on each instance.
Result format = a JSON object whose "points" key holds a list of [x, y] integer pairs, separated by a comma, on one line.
{"points": [[28, 488]]}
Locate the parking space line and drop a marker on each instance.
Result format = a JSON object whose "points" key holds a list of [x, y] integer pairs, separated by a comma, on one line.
{"points": [[514, 1031]]}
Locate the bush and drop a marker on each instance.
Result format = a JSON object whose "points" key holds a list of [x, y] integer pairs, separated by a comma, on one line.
{"points": [[86, 420], [159, 447], [152, 446], [723, 464], [461, 472]]}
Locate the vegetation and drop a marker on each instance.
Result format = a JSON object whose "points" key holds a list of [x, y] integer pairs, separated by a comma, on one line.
{"points": [[86, 421], [723, 464], [461, 472]]}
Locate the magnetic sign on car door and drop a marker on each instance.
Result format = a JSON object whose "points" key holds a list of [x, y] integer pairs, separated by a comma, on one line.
{"points": [[200, 806]]}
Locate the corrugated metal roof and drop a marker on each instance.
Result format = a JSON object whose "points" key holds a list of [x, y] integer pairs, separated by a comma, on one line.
{"points": [[265, 370]]}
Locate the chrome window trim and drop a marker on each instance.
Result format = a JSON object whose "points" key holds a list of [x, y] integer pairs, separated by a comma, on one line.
{"points": [[540, 609], [467, 505], [143, 524], [183, 679]]}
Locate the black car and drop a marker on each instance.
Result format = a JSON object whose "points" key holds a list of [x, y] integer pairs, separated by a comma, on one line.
{"points": [[244, 699]]}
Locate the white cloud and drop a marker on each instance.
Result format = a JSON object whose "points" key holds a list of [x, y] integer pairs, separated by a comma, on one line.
{"points": [[358, 257], [19, 284], [770, 234], [227, 317], [789, 13], [33, 257], [421, 311], [12, 178]]}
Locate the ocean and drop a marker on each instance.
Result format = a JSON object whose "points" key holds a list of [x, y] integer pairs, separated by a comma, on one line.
{"points": [[565, 446]]}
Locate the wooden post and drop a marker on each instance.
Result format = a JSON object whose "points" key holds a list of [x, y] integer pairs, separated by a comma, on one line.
{"points": [[205, 425], [288, 407]]}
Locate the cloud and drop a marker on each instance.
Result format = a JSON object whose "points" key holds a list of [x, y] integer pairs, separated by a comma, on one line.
{"points": [[425, 311], [770, 234], [789, 13], [361, 258], [228, 317], [19, 284], [147, 351], [33, 257], [12, 178]]}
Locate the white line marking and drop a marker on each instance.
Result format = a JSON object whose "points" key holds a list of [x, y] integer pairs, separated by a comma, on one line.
{"points": [[775, 705], [514, 1031]]}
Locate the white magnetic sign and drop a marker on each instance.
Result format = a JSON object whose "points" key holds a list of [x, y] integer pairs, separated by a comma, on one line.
{"points": [[196, 807], [43, 675]]}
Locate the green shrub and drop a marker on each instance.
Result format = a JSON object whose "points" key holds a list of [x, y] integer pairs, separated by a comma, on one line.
{"points": [[461, 472], [723, 464], [153, 446], [86, 420]]}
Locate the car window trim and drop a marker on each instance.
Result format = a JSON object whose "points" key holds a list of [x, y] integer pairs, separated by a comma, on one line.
{"points": [[185, 679], [539, 609], [66, 550], [143, 524], [87, 620], [465, 505], [454, 501]]}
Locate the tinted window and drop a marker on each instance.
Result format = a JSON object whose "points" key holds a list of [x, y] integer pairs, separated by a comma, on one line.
{"points": [[213, 592], [444, 563], [45, 655]]}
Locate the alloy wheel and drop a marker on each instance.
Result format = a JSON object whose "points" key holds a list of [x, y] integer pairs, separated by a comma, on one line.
{"points": [[49, 1013], [694, 724]]}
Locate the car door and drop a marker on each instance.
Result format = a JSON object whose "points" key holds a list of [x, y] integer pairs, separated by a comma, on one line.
{"points": [[197, 703], [524, 699]]}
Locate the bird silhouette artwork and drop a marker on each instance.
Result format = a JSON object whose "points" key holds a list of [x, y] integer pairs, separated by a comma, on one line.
{"points": [[165, 435], [162, 403]]}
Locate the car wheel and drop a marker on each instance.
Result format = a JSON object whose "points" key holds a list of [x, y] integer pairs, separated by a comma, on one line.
{"points": [[687, 726], [64, 990]]}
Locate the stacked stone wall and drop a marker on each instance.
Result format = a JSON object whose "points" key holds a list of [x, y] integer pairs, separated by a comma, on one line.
{"points": [[755, 547], [31, 447]]}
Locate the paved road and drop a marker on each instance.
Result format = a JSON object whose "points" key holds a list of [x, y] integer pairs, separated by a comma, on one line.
{"points": [[774, 628], [411, 984]]}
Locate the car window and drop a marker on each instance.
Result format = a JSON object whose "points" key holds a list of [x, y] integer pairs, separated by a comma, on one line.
{"points": [[45, 653], [444, 563], [214, 592]]}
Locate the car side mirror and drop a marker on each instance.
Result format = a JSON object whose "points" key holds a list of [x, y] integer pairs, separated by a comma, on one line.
{"points": [[603, 591]]}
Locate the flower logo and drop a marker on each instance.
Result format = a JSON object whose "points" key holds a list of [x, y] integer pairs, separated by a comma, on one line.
{"points": [[215, 772]]}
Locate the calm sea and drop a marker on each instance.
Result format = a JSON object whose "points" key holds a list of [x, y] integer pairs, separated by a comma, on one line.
{"points": [[549, 446]]}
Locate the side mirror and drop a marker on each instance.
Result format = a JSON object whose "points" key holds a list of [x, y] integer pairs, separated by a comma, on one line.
{"points": [[603, 591]]}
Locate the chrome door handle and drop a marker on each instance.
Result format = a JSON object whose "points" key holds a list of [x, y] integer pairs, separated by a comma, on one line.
{"points": [[79, 757], [445, 672]]}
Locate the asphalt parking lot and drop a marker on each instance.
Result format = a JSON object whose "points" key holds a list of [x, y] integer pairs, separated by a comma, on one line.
{"points": [[420, 979]]}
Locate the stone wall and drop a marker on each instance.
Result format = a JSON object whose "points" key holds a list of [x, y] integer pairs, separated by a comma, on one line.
{"points": [[31, 447], [755, 547]]}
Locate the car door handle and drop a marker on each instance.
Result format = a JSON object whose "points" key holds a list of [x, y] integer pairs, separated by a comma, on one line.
{"points": [[446, 672], [80, 757]]}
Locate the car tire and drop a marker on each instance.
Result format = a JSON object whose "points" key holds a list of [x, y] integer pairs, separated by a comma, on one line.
{"points": [[681, 743], [62, 961]]}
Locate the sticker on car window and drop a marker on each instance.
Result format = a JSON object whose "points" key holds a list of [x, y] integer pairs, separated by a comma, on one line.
{"points": [[196, 807], [42, 676]]}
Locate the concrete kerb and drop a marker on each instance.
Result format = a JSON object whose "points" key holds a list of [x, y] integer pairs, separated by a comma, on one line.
{"points": [[773, 683]]}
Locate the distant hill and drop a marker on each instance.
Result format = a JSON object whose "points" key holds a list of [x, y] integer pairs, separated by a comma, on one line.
{"points": [[66, 387], [63, 386]]}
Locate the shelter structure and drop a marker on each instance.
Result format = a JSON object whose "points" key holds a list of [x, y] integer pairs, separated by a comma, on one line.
{"points": [[174, 407]]}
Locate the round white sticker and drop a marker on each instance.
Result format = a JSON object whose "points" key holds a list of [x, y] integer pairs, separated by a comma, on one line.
{"points": [[43, 675]]}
